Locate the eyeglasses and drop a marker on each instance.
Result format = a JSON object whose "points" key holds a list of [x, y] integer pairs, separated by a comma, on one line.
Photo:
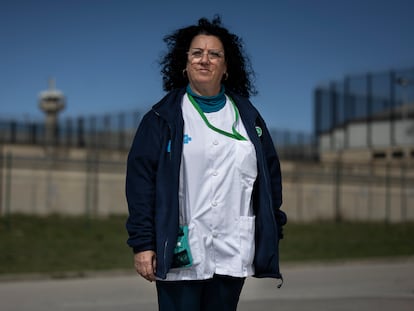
{"points": [[197, 54]]}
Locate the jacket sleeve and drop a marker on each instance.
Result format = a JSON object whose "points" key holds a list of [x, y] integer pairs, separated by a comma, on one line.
{"points": [[141, 170], [273, 164]]}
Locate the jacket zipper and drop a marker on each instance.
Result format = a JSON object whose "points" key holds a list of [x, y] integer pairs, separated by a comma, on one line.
{"points": [[166, 242], [165, 252], [271, 208], [268, 192], [169, 128]]}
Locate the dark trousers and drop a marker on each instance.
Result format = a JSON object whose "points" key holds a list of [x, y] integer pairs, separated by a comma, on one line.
{"points": [[221, 293]]}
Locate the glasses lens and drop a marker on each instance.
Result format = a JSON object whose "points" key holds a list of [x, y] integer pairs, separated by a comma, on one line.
{"points": [[197, 54], [214, 55]]}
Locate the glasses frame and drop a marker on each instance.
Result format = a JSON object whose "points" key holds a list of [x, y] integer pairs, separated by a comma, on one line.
{"points": [[196, 54]]}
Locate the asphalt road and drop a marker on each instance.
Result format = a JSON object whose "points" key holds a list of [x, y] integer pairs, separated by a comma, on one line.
{"points": [[364, 285]]}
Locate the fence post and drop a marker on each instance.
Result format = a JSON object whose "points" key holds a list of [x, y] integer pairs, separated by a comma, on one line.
{"points": [[1, 179], [403, 194], [299, 198], [333, 114], [7, 196], [337, 198], [387, 192], [349, 110], [13, 132], [371, 188], [392, 105], [105, 141], [121, 131], [69, 132], [81, 133], [92, 183], [369, 110]]}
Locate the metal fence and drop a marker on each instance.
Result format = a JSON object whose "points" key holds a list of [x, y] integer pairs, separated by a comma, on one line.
{"points": [[116, 131], [384, 96], [295, 145], [110, 131]]}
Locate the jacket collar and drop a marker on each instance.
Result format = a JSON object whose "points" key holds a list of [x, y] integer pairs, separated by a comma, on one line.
{"points": [[169, 107], [245, 107]]}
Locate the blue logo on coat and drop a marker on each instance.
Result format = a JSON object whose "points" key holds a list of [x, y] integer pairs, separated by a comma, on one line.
{"points": [[186, 140]]}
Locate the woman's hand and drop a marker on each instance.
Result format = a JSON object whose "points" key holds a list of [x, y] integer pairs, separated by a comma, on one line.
{"points": [[145, 263]]}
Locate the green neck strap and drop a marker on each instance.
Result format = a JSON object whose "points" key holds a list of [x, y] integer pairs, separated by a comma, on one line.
{"points": [[235, 135]]}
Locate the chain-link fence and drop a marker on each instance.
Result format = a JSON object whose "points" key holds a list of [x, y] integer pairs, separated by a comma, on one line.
{"points": [[116, 131], [109, 131], [379, 107]]}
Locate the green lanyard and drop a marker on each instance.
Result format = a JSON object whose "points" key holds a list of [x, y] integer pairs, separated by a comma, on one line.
{"points": [[235, 135]]}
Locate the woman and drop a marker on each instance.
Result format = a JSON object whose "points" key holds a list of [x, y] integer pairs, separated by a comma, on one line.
{"points": [[203, 178]]}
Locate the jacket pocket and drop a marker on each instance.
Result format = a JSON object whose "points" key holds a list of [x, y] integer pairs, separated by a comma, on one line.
{"points": [[194, 247]]}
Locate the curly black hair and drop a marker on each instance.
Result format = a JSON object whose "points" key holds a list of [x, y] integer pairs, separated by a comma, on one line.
{"points": [[239, 69]]}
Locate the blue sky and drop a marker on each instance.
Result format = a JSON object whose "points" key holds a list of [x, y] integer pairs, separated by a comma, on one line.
{"points": [[103, 53]]}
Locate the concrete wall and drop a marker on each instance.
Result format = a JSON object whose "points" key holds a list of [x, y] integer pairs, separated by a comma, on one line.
{"points": [[356, 135], [71, 182], [79, 182]]}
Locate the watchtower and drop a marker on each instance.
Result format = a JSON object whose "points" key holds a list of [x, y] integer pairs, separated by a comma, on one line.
{"points": [[51, 102]]}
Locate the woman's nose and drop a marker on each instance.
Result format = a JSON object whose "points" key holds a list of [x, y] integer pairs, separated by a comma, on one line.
{"points": [[205, 58]]}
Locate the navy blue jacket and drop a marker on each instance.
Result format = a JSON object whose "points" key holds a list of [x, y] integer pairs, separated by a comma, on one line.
{"points": [[152, 181]]}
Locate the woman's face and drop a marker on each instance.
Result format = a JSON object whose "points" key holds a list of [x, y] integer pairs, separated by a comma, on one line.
{"points": [[206, 65]]}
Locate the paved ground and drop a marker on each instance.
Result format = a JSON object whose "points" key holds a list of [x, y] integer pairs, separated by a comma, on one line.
{"points": [[378, 285]]}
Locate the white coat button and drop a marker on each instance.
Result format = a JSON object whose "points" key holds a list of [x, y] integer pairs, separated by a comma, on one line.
{"points": [[214, 203], [215, 173], [215, 142]]}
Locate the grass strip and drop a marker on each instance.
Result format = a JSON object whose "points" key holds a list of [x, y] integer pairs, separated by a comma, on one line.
{"points": [[56, 245]]}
